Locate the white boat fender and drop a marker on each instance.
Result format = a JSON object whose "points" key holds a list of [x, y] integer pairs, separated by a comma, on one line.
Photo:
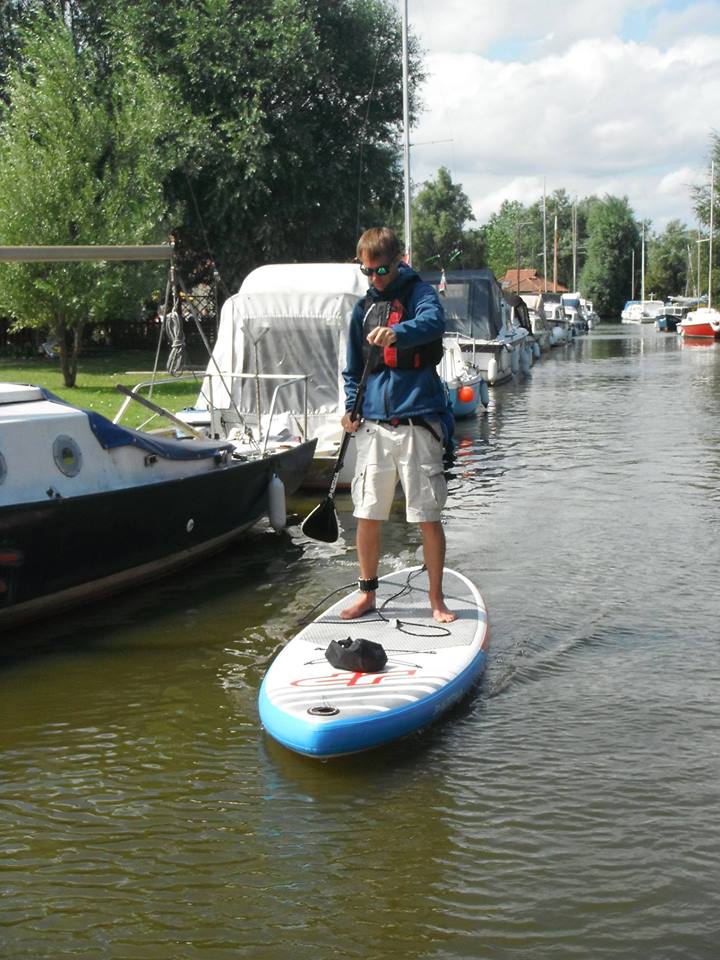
{"points": [[525, 359], [277, 512], [492, 369], [514, 361], [484, 393], [536, 350]]}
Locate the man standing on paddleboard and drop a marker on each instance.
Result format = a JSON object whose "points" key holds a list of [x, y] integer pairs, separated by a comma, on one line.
{"points": [[402, 421]]}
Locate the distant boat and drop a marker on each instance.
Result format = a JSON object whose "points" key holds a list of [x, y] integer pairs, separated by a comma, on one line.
{"points": [[521, 316], [540, 328], [643, 311], [573, 308], [674, 312], [551, 307], [625, 312]]}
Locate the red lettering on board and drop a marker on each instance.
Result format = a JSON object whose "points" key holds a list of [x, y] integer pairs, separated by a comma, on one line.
{"points": [[345, 679]]}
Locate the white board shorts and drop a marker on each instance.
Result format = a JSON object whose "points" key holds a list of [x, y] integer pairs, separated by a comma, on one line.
{"points": [[409, 453]]}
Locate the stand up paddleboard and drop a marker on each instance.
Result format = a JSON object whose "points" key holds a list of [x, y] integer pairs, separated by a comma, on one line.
{"points": [[313, 708]]}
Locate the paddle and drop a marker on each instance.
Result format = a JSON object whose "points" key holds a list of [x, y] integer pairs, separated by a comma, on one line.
{"points": [[322, 522]]}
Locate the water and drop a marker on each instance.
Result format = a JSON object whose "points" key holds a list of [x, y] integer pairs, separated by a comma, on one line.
{"points": [[567, 810]]}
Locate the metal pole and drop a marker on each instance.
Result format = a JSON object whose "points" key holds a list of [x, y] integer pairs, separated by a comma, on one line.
{"points": [[574, 245], [544, 239], [712, 204], [406, 132], [642, 265]]}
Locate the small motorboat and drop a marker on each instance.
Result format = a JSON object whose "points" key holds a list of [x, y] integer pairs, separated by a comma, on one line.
{"points": [[703, 322]]}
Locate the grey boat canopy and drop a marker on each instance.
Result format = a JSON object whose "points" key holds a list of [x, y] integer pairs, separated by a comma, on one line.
{"points": [[472, 300], [74, 254]]}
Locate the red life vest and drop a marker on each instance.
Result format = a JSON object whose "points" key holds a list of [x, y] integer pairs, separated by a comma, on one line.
{"points": [[387, 313]]}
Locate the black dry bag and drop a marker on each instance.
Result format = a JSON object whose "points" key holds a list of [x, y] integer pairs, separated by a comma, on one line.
{"points": [[360, 656]]}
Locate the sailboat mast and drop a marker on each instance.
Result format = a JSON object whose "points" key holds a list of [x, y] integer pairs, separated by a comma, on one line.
{"points": [[544, 238], [406, 132], [712, 204], [574, 244], [642, 265]]}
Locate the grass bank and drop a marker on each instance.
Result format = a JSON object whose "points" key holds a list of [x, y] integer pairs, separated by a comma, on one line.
{"points": [[98, 376]]}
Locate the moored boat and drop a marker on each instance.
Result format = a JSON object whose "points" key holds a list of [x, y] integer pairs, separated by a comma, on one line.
{"points": [[703, 322], [553, 311], [644, 311], [285, 314], [477, 313], [467, 389], [88, 507]]}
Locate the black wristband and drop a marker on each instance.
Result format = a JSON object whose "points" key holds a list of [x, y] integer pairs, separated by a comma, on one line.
{"points": [[367, 586]]}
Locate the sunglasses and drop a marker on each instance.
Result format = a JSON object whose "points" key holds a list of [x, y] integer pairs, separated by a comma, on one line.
{"points": [[381, 271]]}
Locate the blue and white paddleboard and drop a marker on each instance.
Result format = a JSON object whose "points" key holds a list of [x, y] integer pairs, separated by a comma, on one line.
{"points": [[313, 708]]}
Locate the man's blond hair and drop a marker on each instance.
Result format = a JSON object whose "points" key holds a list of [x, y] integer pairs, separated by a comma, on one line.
{"points": [[379, 243]]}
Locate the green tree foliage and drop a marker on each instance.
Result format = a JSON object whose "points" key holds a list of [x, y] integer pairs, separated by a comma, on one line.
{"points": [[440, 212], [667, 261], [82, 161], [612, 236], [296, 110]]}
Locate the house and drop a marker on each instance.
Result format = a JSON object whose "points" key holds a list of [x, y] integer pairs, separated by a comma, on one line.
{"points": [[526, 280]]}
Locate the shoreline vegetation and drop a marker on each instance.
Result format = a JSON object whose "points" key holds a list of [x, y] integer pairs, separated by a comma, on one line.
{"points": [[99, 375]]}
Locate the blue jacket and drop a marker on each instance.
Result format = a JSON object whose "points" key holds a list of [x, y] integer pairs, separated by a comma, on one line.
{"points": [[392, 392]]}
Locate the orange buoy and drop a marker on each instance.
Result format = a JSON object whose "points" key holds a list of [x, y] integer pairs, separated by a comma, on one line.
{"points": [[466, 394]]}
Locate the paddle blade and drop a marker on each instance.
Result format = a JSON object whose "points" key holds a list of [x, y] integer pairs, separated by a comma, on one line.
{"points": [[322, 522]]}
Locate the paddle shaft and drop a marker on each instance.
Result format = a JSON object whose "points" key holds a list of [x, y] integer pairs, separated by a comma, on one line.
{"points": [[353, 414]]}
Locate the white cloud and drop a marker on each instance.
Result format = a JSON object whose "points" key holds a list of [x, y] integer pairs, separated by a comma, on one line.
{"points": [[479, 26], [601, 116]]}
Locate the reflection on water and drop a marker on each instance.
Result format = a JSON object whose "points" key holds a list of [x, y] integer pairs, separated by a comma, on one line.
{"points": [[566, 809]]}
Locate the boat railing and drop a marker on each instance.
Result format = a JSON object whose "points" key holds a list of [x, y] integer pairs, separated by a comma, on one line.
{"points": [[286, 380]]}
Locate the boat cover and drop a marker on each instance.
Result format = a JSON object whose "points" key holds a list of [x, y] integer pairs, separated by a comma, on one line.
{"points": [[286, 319], [110, 435], [472, 301]]}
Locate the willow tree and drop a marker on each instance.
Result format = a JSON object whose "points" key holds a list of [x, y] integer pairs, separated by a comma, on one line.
{"points": [[82, 161]]}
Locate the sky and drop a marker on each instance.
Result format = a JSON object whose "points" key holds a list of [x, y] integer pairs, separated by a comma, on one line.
{"points": [[594, 96]]}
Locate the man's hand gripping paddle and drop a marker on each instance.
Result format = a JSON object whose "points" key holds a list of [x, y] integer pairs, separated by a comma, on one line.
{"points": [[322, 522]]}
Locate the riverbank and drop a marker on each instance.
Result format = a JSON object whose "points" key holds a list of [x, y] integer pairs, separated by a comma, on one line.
{"points": [[98, 376]]}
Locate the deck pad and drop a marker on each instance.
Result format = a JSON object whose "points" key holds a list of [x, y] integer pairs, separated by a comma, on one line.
{"points": [[311, 707]]}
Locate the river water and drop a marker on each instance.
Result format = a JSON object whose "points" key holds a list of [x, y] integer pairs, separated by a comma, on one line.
{"points": [[568, 809]]}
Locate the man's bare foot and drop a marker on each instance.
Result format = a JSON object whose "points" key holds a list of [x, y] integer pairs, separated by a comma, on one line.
{"points": [[441, 613], [364, 605]]}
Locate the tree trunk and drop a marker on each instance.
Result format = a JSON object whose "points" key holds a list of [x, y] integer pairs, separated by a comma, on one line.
{"points": [[69, 353], [61, 333]]}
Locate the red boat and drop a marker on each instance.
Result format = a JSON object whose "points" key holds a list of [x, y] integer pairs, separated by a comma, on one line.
{"points": [[703, 322]]}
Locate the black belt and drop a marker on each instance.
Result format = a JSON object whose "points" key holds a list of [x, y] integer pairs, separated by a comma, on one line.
{"points": [[410, 422]]}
